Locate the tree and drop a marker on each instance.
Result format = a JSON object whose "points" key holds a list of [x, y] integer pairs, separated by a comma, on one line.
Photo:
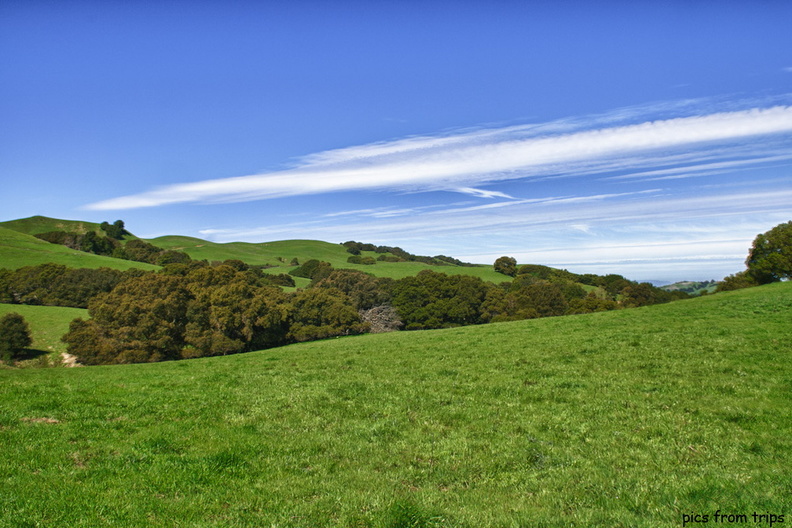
{"points": [[319, 313], [116, 230], [437, 300], [141, 320], [737, 281], [14, 336], [506, 265], [770, 258]]}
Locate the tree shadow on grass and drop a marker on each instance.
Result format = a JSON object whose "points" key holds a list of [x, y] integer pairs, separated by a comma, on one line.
{"points": [[31, 353]]}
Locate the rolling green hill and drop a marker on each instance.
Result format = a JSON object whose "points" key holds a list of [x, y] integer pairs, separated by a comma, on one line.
{"points": [[19, 249], [281, 253], [632, 418]]}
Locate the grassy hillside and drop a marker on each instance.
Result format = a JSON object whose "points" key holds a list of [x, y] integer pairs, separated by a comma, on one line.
{"points": [[47, 324], [281, 253], [629, 418], [35, 225], [19, 249]]}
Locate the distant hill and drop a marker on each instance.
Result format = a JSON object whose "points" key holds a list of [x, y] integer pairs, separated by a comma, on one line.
{"points": [[692, 287], [280, 255], [19, 247]]}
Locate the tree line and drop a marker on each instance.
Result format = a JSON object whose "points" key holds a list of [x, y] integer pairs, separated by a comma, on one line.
{"points": [[198, 309], [192, 309]]}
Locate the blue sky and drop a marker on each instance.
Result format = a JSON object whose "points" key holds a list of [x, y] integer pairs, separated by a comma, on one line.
{"points": [[651, 139]]}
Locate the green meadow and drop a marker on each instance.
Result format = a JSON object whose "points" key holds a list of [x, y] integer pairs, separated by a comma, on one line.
{"points": [[631, 418]]}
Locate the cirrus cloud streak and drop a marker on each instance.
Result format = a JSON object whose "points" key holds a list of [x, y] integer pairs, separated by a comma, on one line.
{"points": [[466, 160]]}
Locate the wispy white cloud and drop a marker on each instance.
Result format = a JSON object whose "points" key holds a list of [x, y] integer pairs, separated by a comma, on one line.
{"points": [[690, 171], [468, 160], [482, 193]]}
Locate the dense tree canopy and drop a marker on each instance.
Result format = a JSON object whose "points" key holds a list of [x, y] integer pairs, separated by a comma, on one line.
{"points": [[57, 285], [437, 300]]}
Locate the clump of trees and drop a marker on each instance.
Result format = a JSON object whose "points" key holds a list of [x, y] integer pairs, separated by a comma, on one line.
{"points": [[397, 254], [115, 230], [57, 285], [14, 336], [769, 260], [197, 311]]}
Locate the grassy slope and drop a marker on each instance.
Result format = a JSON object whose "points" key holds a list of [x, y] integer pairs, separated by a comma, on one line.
{"points": [[35, 225], [303, 250], [627, 418], [47, 324], [19, 249]]}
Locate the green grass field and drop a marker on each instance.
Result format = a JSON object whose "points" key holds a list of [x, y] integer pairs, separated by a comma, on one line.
{"points": [[47, 325], [631, 418]]}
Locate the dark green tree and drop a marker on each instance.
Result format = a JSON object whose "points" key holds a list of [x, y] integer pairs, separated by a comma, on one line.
{"points": [[313, 269], [737, 281], [363, 290], [318, 313], [140, 320], [770, 257], [437, 300], [14, 336], [116, 230], [506, 265]]}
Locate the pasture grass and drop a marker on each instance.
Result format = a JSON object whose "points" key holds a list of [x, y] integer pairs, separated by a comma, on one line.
{"points": [[631, 418]]}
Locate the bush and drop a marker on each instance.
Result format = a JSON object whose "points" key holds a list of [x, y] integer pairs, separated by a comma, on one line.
{"points": [[357, 259]]}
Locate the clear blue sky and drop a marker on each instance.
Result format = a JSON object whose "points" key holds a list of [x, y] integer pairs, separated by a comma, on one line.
{"points": [[651, 139]]}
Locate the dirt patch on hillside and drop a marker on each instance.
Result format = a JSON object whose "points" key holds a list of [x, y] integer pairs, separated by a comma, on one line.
{"points": [[70, 360]]}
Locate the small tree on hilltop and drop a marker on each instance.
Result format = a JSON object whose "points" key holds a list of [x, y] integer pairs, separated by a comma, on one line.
{"points": [[506, 265], [14, 336]]}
